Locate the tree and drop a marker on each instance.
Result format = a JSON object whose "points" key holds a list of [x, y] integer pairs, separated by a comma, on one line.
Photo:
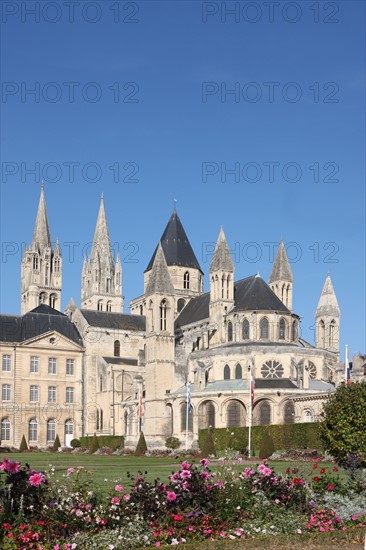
{"points": [[141, 445], [343, 430], [94, 445], [23, 444], [56, 445]]}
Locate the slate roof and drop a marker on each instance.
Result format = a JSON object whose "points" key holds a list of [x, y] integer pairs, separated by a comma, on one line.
{"points": [[121, 321], [274, 383], [242, 385], [42, 319], [121, 361], [250, 294], [176, 246]]}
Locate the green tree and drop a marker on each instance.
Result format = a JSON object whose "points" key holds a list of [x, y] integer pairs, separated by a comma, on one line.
{"points": [[343, 430], [141, 445], [94, 445], [23, 444], [56, 445]]}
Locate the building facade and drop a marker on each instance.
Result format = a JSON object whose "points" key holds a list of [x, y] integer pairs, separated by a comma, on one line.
{"points": [[97, 369]]}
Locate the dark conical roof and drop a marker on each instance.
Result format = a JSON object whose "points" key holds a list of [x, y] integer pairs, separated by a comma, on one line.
{"points": [[176, 246]]}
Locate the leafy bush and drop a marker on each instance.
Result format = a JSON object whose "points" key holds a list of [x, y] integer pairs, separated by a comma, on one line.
{"points": [[208, 448], [141, 447], [23, 444], [343, 429], [94, 446], [112, 441], [266, 448], [56, 445], [75, 443], [172, 443]]}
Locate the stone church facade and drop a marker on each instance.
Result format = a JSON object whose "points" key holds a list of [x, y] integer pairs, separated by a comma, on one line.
{"points": [[97, 369]]}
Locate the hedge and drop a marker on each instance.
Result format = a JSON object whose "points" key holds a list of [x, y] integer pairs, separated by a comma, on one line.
{"points": [[294, 436], [112, 441]]}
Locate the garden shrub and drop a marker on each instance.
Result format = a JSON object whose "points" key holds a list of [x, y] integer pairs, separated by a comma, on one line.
{"points": [[75, 443], [23, 444], [112, 441], [94, 446], [172, 443], [208, 448], [141, 447], [267, 447], [56, 445]]}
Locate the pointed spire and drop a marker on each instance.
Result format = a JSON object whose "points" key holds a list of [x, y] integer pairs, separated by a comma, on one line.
{"points": [[57, 251], [159, 280], [41, 233], [118, 259], [328, 304], [101, 243], [222, 258], [281, 270]]}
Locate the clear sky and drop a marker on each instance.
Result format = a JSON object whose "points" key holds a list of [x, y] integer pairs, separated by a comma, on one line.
{"points": [[252, 119]]}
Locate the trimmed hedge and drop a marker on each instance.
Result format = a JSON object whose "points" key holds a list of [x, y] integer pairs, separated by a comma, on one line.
{"points": [[296, 436], [112, 441]]}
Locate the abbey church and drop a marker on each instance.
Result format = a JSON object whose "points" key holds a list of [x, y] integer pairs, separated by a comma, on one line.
{"points": [[95, 369]]}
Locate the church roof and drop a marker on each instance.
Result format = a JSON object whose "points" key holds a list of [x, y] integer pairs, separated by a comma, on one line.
{"points": [[41, 232], [222, 258], [250, 294], [281, 270], [159, 280], [328, 304], [42, 319], [119, 321], [176, 246]]}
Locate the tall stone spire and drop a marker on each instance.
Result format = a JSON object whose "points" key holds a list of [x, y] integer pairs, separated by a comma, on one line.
{"points": [[41, 269], [101, 279], [327, 318], [281, 278], [159, 281], [222, 257]]}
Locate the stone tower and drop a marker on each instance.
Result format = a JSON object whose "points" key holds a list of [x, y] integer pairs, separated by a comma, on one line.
{"points": [[41, 269], [221, 289], [101, 287], [159, 369], [327, 319], [281, 278]]}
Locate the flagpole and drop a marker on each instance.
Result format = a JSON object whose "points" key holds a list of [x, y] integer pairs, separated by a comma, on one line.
{"points": [[250, 411], [187, 413], [347, 374]]}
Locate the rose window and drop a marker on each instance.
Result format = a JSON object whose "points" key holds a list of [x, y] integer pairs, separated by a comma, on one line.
{"points": [[272, 369], [311, 368]]}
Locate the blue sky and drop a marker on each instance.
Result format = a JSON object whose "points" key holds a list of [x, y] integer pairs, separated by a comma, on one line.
{"points": [[140, 102]]}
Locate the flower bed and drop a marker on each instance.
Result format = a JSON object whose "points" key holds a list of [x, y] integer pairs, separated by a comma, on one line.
{"points": [[40, 512]]}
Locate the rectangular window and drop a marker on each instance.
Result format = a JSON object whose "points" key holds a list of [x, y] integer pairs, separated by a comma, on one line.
{"points": [[33, 430], [52, 365], [34, 363], [52, 394], [33, 394], [69, 395], [69, 366], [6, 363], [6, 392], [5, 429]]}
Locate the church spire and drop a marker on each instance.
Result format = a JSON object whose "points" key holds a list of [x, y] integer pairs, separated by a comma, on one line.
{"points": [[159, 280], [327, 318], [101, 279], [222, 257], [281, 278], [328, 304], [41, 234]]}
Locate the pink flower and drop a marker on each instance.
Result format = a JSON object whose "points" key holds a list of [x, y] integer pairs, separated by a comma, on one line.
{"points": [[4, 464], [70, 470], [298, 481], [248, 472], [171, 496], [185, 474], [185, 486], [119, 488], [335, 469], [204, 462], [219, 484], [185, 465], [79, 513], [126, 497], [36, 479], [175, 477], [205, 475], [115, 500], [330, 487], [13, 467]]}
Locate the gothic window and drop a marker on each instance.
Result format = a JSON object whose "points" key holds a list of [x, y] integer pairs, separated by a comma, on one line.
{"points": [[238, 372], [35, 262], [32, 430], [332, 327], [311, 368], [163, 308], [51, 430], [272, 369], [223, 286], [183, 418], [331, 375], [264, 328], [322, 333], [264, 413], [206, 418], [108, 285], [117, 348], [293, 331], [5, 429], [229, 331], [226, 372], [42, 298], [289, 413], [180, 305], [141, 310], [109, 306], [245, 330], [101, 419], [100, 305], [52, 300], [282, 329], [97, 421], [57, 265], [186, 280], [228, 286], [235, 414]]}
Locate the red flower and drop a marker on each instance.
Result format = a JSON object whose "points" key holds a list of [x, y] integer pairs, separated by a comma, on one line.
{"points": [[315, 466], [330, 487], [298, 481], [322, 471], [335, 469], [316, 479]]}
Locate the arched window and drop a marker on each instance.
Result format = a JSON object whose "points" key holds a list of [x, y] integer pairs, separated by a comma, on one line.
{"points": [[235, 414], [5, 429], [52, 300], [245, 329], [100, 305], [238, 372], [282, 330], [228, 287], [332, 327], [35, 262], [51, 430], [289, 413], [180, 305], [226, 372], [183, 419], [308, 416], [263, 328], [223, 286], [109, 306], [206, 415], [229, 331], [117, 348], [322, 333], [163, 306], [101, 419], [33, 430], [293, 331], [264, 413], [141, 310], [69, 427], [42, 298], [186, 280]]}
